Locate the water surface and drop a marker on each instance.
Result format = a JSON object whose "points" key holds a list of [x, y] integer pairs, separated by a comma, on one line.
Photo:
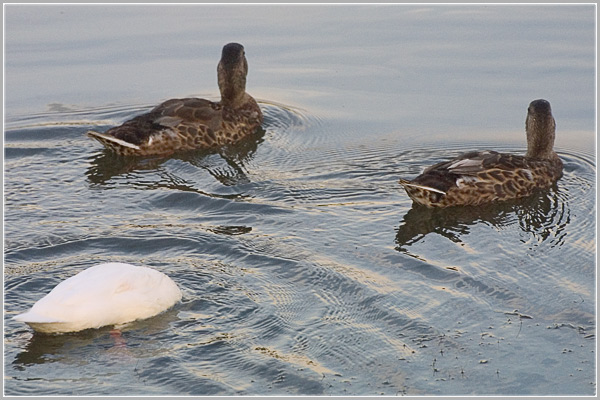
{"points": [[305, 268]]}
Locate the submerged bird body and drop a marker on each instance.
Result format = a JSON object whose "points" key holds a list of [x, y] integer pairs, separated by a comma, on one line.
{"points": [[480, 177], [106, 294], [191, 123]]}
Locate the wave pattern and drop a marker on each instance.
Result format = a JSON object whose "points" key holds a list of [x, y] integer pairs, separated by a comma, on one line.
{"points": [[305, 269]]}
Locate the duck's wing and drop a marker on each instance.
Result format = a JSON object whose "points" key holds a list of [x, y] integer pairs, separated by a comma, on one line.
{"points": [[191, 110], [489, 168], [167, 117], [470, 168], [475, 162]]}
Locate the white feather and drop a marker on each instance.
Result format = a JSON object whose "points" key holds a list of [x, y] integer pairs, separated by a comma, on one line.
{"points": [[406, 183], [528, 173], [106, 294], [465, 163], [101, 136], [466, 180]]}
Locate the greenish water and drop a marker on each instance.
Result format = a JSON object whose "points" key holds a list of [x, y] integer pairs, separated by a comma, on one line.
{"points": [[304, 267]]}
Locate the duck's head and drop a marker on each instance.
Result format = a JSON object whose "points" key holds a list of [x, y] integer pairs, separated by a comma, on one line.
{"points": [[540, 128], [231, 72]]}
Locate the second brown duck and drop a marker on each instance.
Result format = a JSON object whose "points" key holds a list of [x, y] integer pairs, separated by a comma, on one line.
{"points": [[481, 177]]}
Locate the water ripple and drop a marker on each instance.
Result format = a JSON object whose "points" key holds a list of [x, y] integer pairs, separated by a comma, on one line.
{"points": [[302, 263]]}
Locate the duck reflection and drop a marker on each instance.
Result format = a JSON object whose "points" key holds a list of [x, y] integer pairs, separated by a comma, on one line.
{"points": [[544, 215], [107, 165]]}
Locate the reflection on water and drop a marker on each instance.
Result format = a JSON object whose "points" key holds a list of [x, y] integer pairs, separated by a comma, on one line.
{"points": [[544, 215], [106, 164], [278, 118], [41, 348], [305, 268], [79, 348]]}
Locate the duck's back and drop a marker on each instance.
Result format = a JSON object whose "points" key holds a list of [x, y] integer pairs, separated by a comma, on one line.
{"points": [[175, 124], [481, 177], [182, 124]]}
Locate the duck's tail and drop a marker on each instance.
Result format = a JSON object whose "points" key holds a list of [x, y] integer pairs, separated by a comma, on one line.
{"points": [[406, 183], [117, 145]]}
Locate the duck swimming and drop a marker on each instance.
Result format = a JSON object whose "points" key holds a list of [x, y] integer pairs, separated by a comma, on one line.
{"points": [[105, 294], [191, 123], [480, 177]]}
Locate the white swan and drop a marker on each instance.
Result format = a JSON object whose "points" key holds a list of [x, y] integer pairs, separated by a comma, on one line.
{"points": [[106, 294]]}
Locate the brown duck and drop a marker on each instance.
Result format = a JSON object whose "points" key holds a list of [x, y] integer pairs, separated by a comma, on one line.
{"points": [[191, 123], [480, 177]]}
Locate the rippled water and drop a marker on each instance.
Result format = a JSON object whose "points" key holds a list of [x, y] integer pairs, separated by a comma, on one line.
{"points": [[304, 267]]}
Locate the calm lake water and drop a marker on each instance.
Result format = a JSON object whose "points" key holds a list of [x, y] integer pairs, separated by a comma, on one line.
{"points": [[304, 267]]}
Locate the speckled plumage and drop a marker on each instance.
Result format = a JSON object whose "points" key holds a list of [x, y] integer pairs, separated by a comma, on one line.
{"points": [[191, 123], [480, 177]]}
